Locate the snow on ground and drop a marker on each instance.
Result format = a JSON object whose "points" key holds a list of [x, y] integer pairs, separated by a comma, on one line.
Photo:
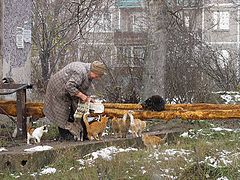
{"points": [[170, 155], [3, 149], [220, 159], [222, 178], [229, 97], [191, 133], [38, 148], [47, 170], [224, 129], [105, 153]]}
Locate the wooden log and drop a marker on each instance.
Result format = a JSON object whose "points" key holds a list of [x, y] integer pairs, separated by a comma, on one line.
{"points": [[166, 115], [122, 106], [191, 107], [183, 111], [202, 106], [184, 115], [34, 109], [8, 108], [210, 114]]}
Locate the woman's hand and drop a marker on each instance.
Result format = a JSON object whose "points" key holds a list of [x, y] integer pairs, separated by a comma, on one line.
{"points": [[89, 99], [84, 97]]}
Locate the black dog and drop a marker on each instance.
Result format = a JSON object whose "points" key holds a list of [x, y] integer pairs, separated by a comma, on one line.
{"points": [[154, 103]]}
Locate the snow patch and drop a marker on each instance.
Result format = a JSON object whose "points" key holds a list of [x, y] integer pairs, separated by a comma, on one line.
{"points": [[48, 170], [38, 148], [3, 149]]}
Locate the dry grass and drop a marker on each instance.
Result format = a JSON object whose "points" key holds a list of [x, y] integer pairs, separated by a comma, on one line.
{"points": [[205, 154]]}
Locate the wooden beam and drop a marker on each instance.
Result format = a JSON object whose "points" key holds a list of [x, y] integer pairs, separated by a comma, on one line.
{"points": [[191, 107], [32, 109], [184, 115], [182, 111]]}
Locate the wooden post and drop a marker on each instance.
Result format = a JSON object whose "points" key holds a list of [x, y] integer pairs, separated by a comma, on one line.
{"points": [[21, 113], [20, 90]]}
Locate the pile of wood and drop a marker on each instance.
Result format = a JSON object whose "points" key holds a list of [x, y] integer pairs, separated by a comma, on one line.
{"points": [[34, 109], [172, 111], [183, 111]]}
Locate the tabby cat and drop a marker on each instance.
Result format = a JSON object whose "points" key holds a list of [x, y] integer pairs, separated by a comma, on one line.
{"points": [[120, 126], [76, 129], [96, 128], [152, 141]]}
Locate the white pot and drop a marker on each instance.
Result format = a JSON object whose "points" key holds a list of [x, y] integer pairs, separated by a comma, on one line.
{"points": [[98, 107]]}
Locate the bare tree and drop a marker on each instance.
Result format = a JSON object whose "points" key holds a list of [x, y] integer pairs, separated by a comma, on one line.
{"points": [[115, 48], [154, 67], [194, 69], [57, 27], [176, 63]]}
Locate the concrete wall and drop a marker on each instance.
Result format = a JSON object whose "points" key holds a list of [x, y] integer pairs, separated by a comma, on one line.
{"points": [[16, 61], [1, 36]]}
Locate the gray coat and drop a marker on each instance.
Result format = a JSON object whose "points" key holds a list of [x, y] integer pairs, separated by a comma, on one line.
{"points": [[61, 89]]}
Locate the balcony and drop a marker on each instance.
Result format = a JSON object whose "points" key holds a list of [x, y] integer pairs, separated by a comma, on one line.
{"points": [[130, 38]]}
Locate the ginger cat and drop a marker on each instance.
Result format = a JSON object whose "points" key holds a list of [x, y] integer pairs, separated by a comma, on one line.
{"points": [[151, 141], [96, 128], [136, 125], [36, 134], [120, 126], [76, 129]]}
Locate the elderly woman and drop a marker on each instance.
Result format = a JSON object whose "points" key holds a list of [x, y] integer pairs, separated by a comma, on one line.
{"points": [[66, 88]]}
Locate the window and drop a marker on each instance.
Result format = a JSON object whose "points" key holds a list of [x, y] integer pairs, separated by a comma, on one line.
{"points": [[139, 23], [187, 2], [223, 58], [221, 20], [124, 55], [139, 55], [133, 56], [186, 21], [100, 23]]}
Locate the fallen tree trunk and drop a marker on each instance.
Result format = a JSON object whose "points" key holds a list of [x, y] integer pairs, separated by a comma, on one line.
{"points": [[184, 115], [191, 107], [34, 109], [173, 111]]}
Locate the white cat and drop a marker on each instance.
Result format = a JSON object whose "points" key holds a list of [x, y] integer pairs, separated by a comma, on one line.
{"points": [[36, 134]]}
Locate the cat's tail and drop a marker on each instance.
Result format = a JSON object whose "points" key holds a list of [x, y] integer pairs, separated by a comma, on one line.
{"points": [[85, 120]]}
